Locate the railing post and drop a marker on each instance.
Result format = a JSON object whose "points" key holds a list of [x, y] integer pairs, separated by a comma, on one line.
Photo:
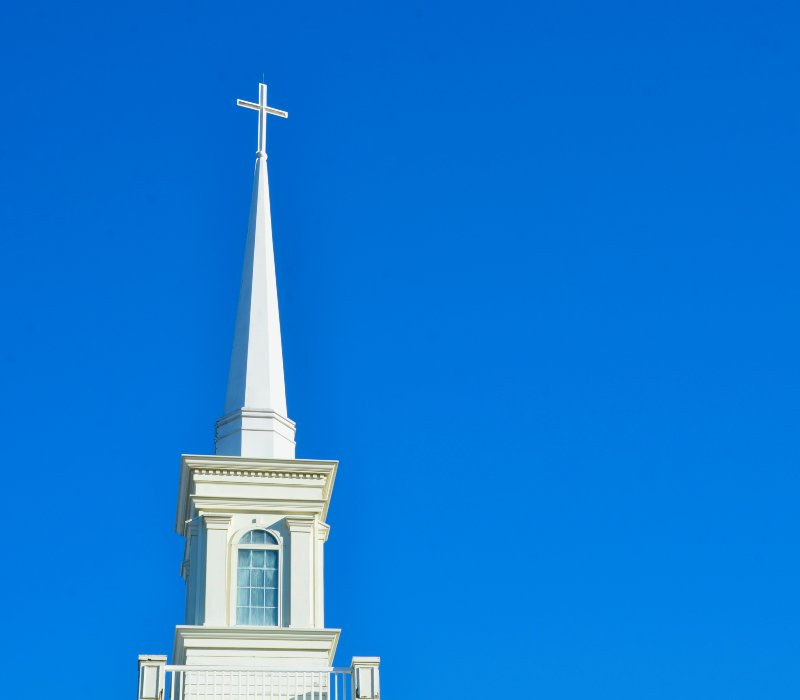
{"points": [[365, 681], [151, 677]]}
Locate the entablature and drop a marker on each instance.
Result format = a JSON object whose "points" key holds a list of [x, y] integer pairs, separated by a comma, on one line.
{"points": [[228, 484]]}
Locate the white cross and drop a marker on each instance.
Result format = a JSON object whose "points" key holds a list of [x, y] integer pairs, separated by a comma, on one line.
{"points": [[263, 111]]}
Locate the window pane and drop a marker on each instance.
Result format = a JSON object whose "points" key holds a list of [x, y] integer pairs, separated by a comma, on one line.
{"points": [[243, 597], [271, 598], [271, 617], [257, 587], [258, 537], [242, 616]]}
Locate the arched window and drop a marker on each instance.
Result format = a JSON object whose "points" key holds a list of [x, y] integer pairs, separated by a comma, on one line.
{"points": [[257, 579]]}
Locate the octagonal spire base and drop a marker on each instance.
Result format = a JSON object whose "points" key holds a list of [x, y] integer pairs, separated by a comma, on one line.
{"points": [[254, 432]]}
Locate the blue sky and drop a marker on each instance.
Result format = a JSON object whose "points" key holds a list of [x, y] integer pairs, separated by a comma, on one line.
{"points": [[538, 281]]}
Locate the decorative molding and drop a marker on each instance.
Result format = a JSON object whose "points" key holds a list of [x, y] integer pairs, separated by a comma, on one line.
{"points": [[259, 474]]}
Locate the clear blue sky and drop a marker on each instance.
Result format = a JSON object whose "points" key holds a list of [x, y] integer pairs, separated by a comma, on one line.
{"points": [[538, 274]]}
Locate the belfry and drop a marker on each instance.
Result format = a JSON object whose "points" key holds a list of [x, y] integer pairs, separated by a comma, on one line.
{"points": [[254, 522]]}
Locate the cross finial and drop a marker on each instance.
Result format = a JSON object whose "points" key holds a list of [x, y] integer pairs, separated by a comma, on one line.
{"points": [[263, 111]]}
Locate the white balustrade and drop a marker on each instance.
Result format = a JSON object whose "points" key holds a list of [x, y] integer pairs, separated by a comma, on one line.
{"points": [[222, 683]]}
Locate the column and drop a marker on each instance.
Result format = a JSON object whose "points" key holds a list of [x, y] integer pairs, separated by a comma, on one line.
{"points": [[216, 570], [301, 571]]}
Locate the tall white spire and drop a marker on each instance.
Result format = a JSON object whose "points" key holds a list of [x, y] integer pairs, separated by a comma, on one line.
{"points": [[255, 423]]}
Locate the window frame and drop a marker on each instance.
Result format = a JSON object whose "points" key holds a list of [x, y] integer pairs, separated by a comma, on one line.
{"points": [[235, 547]]}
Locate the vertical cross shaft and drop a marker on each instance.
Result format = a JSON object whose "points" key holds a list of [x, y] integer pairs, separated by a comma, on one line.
{"points": [[262, 119]]}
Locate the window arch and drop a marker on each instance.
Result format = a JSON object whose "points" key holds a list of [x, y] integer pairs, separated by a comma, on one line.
{"points": [[257, 579]]}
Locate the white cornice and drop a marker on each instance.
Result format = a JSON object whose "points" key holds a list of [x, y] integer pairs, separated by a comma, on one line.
{"points": [[302, 474]]}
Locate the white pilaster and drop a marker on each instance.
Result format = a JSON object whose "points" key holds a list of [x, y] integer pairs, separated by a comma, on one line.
{"points": [[322, 530], [216, 569], [301, 574]]}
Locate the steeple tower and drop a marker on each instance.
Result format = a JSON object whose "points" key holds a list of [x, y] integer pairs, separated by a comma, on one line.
{"points": [[254, 522], [255, 421]]}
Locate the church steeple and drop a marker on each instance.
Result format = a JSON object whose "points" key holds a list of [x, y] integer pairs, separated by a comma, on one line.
{"points": [[255, 422], [254, 519]]}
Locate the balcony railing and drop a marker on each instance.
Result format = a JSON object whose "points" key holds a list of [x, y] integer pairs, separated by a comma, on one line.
{"points": [[159, 681], [219, 683]]}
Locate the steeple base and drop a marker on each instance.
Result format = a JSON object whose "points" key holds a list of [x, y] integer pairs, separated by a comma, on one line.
{"points": [[253, 432]]}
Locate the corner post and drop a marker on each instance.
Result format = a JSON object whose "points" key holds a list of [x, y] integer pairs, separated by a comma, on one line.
{"points": [[365, 682], [151, 676]]}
